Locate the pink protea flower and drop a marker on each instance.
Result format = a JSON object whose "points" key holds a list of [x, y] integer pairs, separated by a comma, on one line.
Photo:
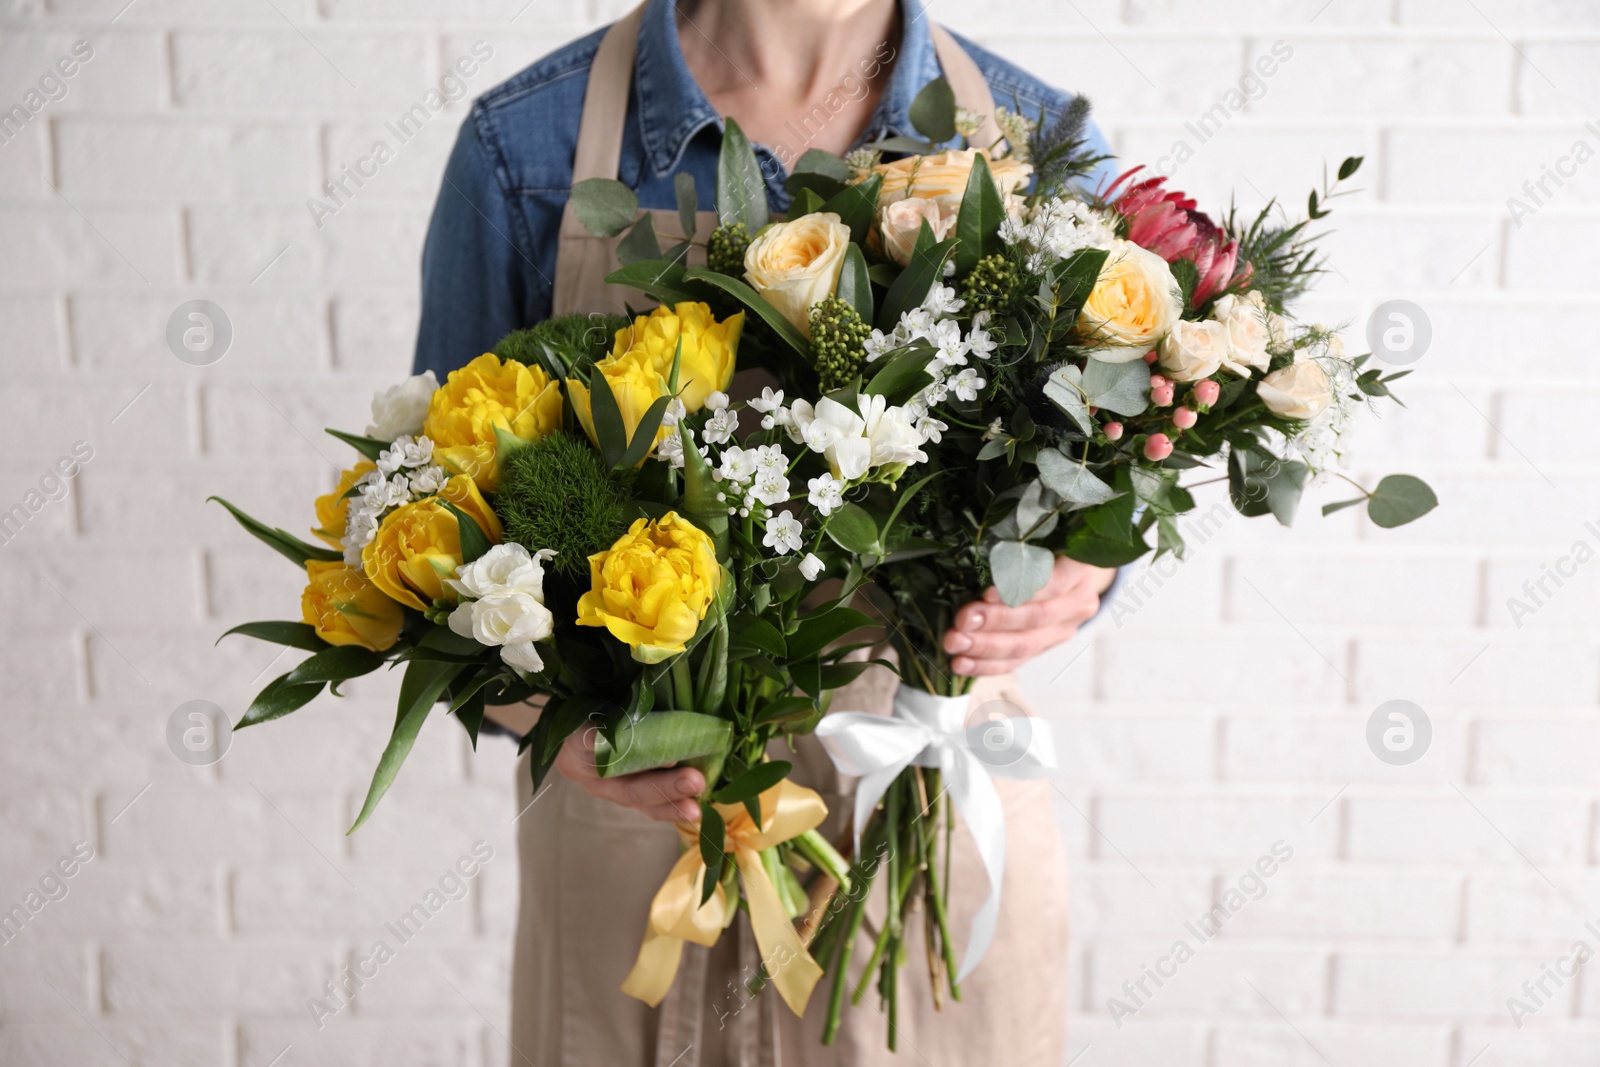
{"points": [[1166, 223]]}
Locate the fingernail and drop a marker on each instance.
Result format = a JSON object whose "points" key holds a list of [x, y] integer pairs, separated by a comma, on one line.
{"points": [[961, 665], [956, 641], [974, 621], [687, 786]]}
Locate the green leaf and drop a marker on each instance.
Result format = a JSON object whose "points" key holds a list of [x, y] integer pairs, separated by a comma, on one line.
{"points": [[1259, 484], [785, 709], [853, 530], [294, 634], [660, 279], [712, 835], [277, 699], [1071, 481], [1120, 387], [903, 374], [754, 782], [978, 224], [857, 206], [820, 184], [933, 111], [755, 302], [470, 712], [1074, 279], [1064, 389], [424, 683], [752, 631], [1020, 570], [474, 542], [741, 190], [855, 284], [661, 739], [281, 541], [641, 244], [607, 419], [816, 161], [839, 675], [1399, 499], [644, 435], [1348, 168], [1340, 505], [817, 632], [367, 446], [688, 204], [912, 286], [604, 205], [806, 201], [335, 664], [700, 503]]}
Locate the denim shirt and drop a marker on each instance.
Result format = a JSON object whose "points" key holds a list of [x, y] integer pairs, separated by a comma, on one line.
{"points": [[489, 261]]}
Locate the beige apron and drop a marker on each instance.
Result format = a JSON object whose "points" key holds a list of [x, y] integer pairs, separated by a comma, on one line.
{"points": [[590, 868]]}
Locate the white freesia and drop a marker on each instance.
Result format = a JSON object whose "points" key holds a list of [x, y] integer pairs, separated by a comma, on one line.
{"points": [[400, 410], [1193, 350], [523, 656], [505, 568], [503, 619], [1299, 391], [1245, 318]]}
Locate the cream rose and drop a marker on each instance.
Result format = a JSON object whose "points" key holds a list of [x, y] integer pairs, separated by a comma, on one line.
{"points": [[1299, 391], [943, 177], [795, 264], [1249, 332], [1193, 350], [899, 224], [1135, 302]]}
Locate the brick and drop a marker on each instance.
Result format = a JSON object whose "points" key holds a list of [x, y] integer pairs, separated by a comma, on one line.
{"points": [[1504, 672], [41, 983], [416, 983], [411, 176], [116, 1045], [1491, 339], [1316, 903], [176, 159], [27, 156], [45, 420], [216, 981], [1208, 14], [1271, 1044], [1171, 1044], [1395, 254], [375, 334], [1523, 753], [1524, 907], [119, 503], [1534, 1046], [1282, 666], [115, 749], [33, 335], [41, 825], [1458, 986], [266, 419], [1408, 77], [364, 244], [1557, 77], [176, 665], [1155, 591], [297, 72], [1554, 252], [335, 744], [1438, 423], [972, 17], [1433, 166], [1508, 505], [351, 1042], [100, 589], [1112, 904], [115, 900], [38, 507], [432, 827], [54, 245], [1450, 830], [1280, 748], [1192, 825], [162, 11], [495, 11], [44, 668], [1507, 14], [201, 826], [1353, 590], [1213, 982], [1144, 75], [1513, 599], [123, 75], [280, 899], [1536, 423], [1121, 748]]}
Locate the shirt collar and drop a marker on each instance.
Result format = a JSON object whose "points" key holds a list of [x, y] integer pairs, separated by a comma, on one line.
{"points": [[673, 108]]}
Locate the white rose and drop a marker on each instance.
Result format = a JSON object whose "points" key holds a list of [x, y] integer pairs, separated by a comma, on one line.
{"points": [[506, 568], [900, 222], [1135, 302], [795, 264], [1193, 350], [1249, 332], [1299, 391], [522, 656], [503, 619], [400, 410]]}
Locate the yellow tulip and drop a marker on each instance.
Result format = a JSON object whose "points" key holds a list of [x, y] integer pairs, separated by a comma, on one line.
{"points": [[333, 508], [634, 383], [347, 609], [487, 393], [418, 545], [653, 587], [709, 348]]}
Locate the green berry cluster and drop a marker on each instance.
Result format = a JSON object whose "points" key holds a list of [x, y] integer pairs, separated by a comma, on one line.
{"points": [[837, 337], [726, 247], [991, 285]]}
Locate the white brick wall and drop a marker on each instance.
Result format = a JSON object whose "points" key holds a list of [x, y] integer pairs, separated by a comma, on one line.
{"points": [[1224, 714]]}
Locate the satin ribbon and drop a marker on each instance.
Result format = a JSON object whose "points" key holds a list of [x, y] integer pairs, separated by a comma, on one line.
{"points": [[676, 914], [930, 731]]}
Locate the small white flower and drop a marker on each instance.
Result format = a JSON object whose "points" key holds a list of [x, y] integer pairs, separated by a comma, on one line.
{"points": [[738, 465], [770, 404], [427, 481], [811, 567], [770, 489], [400, 410], [979, 343], [783, 533], [996, 430], [942, 300], [966, 384], [827, 493], [931, 428], [946, 337], [771, 460], [915, 323], [949, 268], [670, 450], [879, 344], [717, 401], [674, 413], [721, 427]]}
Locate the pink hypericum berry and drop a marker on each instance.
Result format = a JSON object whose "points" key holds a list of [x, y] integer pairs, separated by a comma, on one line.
{"points": [[1157, 447], [1158, 380], [1113, 431], [1183, 418], [1206, 392], [1093, 410], [1161, 395], [1150, 356]]}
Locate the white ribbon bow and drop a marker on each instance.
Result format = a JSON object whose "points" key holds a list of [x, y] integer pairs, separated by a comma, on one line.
{"points": [[930, 731]]}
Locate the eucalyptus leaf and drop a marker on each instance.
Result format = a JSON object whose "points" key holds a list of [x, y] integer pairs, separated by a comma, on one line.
{"points": [[688, 204], [1020, 570], [1064, 389], [1120, 387], [1071, 480], [1399, 499], [933, 111], [816, 161], [641, 243], [605, 206]]}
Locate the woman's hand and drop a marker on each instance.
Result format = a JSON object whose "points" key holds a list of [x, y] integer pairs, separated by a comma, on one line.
{"points": [[990, 638], [666, 795]]}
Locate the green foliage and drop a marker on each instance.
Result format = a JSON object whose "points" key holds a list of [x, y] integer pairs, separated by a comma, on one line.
{"points": [[577, 340], [556, 493], [837, 336]]}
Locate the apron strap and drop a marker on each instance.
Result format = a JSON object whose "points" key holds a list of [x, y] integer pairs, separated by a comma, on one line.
{"points": [[605, 101], [967, 83]]}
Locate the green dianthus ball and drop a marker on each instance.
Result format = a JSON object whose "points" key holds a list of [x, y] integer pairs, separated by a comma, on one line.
{"points": [[557, 493], [576, 339]]}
